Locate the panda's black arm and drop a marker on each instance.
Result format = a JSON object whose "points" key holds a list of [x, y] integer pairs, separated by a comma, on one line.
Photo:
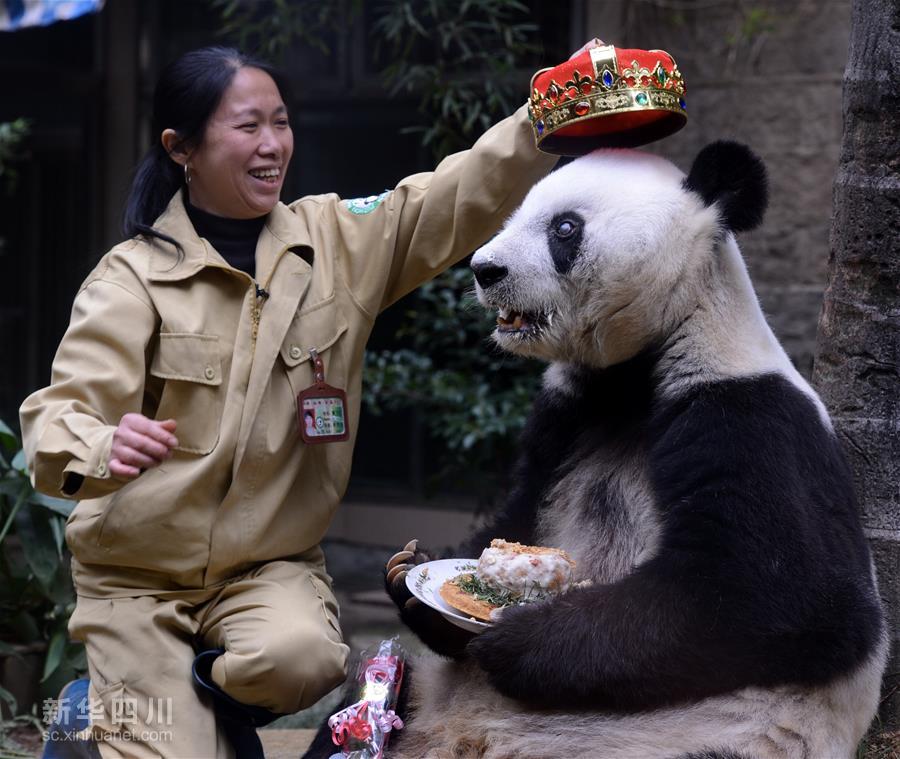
{"points": [[761, 577], [598, 647], [670, 633]]}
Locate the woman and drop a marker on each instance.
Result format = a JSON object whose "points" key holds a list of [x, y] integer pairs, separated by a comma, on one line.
{"points": [[172, 415]]}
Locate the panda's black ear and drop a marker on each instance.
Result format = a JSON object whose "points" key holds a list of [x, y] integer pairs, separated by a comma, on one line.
{"points": [[732, 176]]}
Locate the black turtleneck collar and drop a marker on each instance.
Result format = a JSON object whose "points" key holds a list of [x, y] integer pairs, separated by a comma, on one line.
{"points": [[234, 239]]}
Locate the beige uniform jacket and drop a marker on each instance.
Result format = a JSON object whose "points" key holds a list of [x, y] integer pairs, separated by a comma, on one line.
{"points": [[186, 337]]}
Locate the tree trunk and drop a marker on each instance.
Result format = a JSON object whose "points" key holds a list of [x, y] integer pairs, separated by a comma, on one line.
{"points": [[857, 363]]}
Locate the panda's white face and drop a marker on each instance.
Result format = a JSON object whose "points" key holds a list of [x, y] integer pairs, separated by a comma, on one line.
{"points": [[604, 256]]}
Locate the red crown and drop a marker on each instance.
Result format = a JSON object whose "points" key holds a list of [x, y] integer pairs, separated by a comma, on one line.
{"points": [[607, 97]]}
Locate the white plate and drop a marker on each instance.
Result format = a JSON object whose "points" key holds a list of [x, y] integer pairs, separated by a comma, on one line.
{"points": [[424, 582]]}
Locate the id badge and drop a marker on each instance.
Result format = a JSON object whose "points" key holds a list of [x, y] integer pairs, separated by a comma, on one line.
{"points": [[322, 409]]}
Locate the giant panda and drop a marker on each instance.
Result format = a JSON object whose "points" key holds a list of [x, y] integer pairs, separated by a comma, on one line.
{"points": [[730, 609]]}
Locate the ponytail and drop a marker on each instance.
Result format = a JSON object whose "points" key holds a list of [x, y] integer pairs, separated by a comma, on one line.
{"points": [[156, 180]]}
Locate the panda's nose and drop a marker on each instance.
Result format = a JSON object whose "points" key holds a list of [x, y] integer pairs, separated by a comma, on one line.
{"points": [[488, 273]]}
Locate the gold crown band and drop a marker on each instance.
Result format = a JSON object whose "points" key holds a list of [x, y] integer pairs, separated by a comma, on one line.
{"points": [[628, 100]]}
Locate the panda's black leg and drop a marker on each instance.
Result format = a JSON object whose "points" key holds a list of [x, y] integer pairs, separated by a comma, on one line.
{"points": [[322, 746], [433, 630]]}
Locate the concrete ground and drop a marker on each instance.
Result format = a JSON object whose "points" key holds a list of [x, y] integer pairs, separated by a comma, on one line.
{"points": [[285, 744]]}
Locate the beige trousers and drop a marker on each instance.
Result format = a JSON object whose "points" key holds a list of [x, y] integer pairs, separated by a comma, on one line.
{"points": [[283, 650]]}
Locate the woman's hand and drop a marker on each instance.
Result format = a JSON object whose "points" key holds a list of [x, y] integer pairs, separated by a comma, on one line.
{"points": [[596, 42], [140, 443]]}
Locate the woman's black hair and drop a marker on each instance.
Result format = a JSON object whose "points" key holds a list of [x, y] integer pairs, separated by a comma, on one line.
{"points": [[187, 94]]}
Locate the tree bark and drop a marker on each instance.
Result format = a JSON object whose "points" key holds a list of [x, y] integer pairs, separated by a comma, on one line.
{"points": [[857, 362]]}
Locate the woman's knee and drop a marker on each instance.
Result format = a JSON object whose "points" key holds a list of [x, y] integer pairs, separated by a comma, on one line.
{"points": [[291, 670]]}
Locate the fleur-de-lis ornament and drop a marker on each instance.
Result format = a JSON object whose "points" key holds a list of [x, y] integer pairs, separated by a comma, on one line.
{"points": [[580, 84]]}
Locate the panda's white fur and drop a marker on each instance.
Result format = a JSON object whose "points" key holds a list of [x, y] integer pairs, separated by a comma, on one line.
{"points": [[656, 269]]}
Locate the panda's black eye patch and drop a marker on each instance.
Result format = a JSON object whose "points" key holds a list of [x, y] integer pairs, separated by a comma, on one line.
{"points": [[564, 235]]}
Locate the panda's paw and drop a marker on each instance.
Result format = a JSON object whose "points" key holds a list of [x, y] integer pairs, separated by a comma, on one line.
{"points": [[433, 630], [395, 573]]}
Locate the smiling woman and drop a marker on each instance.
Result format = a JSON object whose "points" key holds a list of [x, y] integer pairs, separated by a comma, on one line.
{"points": [[178, 412], [219, 115], [239, 167]]}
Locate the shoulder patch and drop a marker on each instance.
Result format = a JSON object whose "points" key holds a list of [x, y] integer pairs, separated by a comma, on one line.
{"points": [[365, 205]]}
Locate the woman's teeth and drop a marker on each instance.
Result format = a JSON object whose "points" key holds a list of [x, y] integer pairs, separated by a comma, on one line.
{"points": [[265, 174]]}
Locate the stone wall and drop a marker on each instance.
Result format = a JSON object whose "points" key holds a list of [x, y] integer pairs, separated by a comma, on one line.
{"points": [[769, 74]]}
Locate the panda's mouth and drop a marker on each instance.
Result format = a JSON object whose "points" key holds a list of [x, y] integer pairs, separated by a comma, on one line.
{"points": [[522, 323]]}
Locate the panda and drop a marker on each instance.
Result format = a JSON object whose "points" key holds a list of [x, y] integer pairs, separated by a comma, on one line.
{"points": [[728, 607]]}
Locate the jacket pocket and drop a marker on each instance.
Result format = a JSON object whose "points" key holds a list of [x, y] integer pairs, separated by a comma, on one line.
{"points": [[191, 366], [317, 327]]}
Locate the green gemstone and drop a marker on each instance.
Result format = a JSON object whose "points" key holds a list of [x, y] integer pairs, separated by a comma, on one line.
{"points": [[661, 75], [641, 98]]}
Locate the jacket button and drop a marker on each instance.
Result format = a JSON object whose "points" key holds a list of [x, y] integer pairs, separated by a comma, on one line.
{"points": [[209, 372], [296, 352], [101, 469]]}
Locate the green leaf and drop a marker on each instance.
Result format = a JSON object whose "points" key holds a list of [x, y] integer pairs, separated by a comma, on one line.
{"points": [[8, 438], [61, 592], [11, 486], [21, 497], [54, 654], [57, 505], [76, 656], [38, 543], [9, 699], [18, 463], [59, 535]]}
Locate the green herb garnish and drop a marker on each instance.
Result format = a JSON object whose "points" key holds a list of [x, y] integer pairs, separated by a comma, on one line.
{"points": [[470, 584]]}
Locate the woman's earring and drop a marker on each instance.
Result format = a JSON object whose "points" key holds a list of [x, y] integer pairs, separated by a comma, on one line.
{"points": [[187, 174]]}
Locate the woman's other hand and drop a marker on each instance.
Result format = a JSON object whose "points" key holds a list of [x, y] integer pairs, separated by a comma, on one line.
{"points": [[140, 443], [596, 42]]}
